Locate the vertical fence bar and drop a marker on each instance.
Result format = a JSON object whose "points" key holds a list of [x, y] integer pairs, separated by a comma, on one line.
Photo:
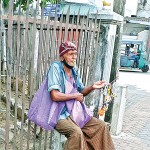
{"points": [[20, 53], [36, 84], [77, 25], [13, 50], [31, 78], [93, 46], [87, 56], [45, 140], [40, 52], [3, 43], [47, 44], [1, 29], [51, 54], [24, 73], [84, 45], [17, 69], [72, 29], [34, 137], [39, 63], [2, 67], [83, 54], [60, 31], [80, 43], [43, 51], [43, 54], [8, 87], [67, 24], [40, 139], [55, 34], [97, 47]]}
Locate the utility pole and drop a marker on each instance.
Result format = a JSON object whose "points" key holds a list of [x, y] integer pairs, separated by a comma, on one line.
{"points": [[119, 7], [148, 46]]}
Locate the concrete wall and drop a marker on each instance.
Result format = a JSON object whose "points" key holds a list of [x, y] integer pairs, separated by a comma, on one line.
{"points": [[133, 29], [143, 35]]}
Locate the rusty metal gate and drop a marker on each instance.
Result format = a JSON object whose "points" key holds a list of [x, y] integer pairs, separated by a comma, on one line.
{"points": [[28, 44]]}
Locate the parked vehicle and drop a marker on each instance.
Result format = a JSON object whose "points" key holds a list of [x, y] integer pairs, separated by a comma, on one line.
{"points": [[129, 62]]}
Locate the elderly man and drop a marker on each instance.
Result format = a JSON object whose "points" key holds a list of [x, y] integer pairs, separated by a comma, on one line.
{"points": [[69, 115]]}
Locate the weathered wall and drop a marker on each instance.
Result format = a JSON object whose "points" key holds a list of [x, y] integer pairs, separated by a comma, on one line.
{"points": [[132, 29], [143, 8], [144, 36]]}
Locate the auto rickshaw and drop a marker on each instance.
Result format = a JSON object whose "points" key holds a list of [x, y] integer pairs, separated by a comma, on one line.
{"points": [[127, 62]]}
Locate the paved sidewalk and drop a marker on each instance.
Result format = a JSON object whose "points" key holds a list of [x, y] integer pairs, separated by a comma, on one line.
{"points": [[136, 125]]}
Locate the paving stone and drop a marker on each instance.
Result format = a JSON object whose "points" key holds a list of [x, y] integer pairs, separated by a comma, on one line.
{"points": [[136, 125]]}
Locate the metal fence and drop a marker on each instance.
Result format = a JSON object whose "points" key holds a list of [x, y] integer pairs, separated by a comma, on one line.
{"points": [[28, 45]]}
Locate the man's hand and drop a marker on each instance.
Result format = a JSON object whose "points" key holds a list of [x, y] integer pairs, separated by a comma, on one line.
{"points": [[78, 97], [98, 84]]}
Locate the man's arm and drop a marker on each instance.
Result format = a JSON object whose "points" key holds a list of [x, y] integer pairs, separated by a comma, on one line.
{"points": [[96, 85], [87, 90], [58, 96]]}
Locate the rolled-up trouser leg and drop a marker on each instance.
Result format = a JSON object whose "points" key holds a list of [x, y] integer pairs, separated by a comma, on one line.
{"points": [[75, 137]]}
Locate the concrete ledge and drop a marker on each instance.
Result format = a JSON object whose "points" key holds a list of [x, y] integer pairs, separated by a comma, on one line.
{"points": [[118, 110]]}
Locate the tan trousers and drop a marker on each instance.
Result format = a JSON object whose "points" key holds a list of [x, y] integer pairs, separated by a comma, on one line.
{"points": [[93, 136]]}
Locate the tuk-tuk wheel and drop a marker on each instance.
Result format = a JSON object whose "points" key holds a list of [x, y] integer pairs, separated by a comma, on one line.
{"points": [[145, 68]]}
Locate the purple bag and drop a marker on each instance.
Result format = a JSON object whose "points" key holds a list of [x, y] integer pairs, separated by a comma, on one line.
{"points": [[79, 113], [40, 106]]}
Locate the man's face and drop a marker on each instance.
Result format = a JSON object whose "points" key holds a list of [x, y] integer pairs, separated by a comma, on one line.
{"points": [[70, 57]]}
